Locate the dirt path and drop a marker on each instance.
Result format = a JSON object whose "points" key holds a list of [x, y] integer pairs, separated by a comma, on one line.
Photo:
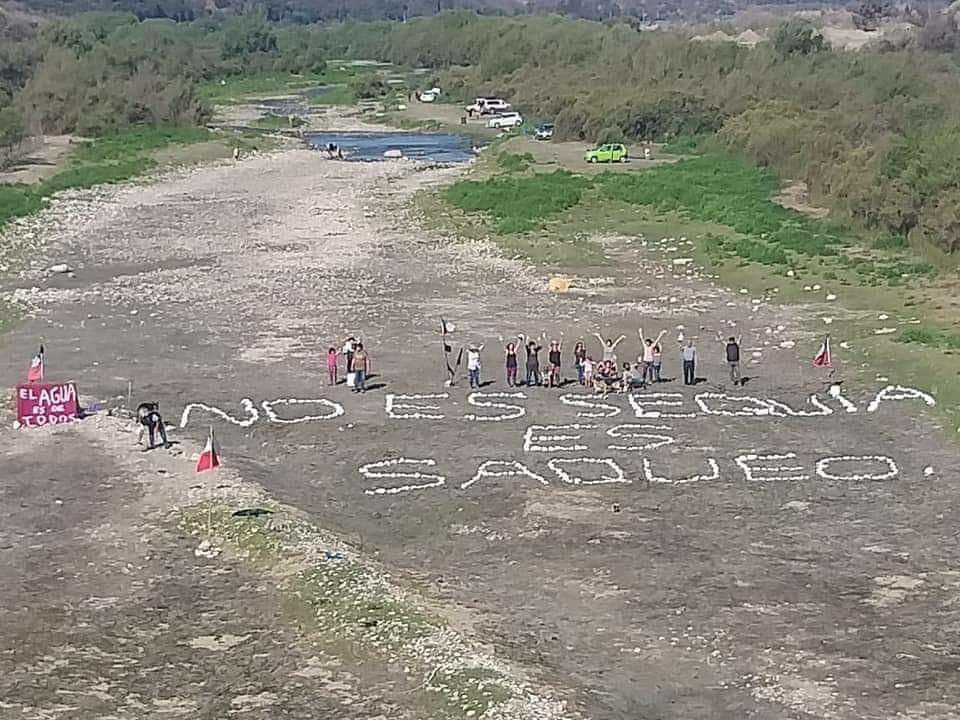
{"points": [[802, 596], [41, 158]]}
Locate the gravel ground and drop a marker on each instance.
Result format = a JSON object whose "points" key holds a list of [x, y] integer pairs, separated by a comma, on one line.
{"points": [[801, 596]]}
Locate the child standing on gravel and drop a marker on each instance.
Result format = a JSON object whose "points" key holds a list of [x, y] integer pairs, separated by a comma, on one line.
{"points": [[332, 366]]}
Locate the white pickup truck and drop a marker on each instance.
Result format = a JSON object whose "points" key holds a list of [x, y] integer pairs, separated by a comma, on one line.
{"points": [[505, 120], [488, 106]]}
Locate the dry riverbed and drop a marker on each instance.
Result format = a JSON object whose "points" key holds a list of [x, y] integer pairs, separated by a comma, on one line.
{"points": [[375, 570]]}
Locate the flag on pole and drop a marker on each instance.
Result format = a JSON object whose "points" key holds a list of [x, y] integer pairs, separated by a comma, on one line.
{"points": [[445, 329], [823, 358], [209, 458], [35, 373]]}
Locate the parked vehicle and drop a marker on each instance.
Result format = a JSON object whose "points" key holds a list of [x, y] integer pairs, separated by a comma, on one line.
{"points": [[614, 152], [428, 97], [544, 132], [489, 106], [505, 120]]}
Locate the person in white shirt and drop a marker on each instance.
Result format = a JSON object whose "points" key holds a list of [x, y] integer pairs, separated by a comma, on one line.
{"points": [[689, 354], [347, 351], [649, 350], [473, 365], [587, 366]]}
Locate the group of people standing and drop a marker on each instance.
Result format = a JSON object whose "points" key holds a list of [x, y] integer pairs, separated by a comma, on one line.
{"points": [[604, 374], [356, 362]]}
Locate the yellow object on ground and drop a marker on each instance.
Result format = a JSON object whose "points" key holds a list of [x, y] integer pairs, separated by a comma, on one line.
{"points": [[558, 283]]}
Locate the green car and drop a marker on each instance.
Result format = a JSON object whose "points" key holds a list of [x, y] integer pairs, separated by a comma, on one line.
{"points": [[607, 153]]}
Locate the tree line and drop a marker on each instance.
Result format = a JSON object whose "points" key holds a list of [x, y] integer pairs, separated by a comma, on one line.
{"points": [[874, 134], [101, 72]]}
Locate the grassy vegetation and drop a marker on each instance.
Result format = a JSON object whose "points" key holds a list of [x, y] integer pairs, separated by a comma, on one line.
{"points": [[238, 88], [519, 204], [931, 337], [338, 94], [274, 122], [105, 160], [730, 192], [515, 162]]}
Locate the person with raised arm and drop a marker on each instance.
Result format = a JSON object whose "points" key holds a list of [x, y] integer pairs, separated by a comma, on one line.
{"points": [[510, 358], [533, 360], [553, 357], [473, 364], [609, 347], [648, 348]]}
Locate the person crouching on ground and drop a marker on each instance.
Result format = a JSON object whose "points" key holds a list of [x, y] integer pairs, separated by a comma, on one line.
{"points": [[473, 365], [361, 366], [148, 414]]}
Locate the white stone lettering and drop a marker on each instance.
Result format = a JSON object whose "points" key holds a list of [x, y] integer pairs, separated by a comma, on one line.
{"points": [[634, 431], [769, 473], [598, 409], [536, 434], [246, 403], [642, 401], [899, 392], [780, 409], [424, 480], [479, 399], [557, 465], [890, 468], [745, 405], [397, 407], [836, 392], [334, 410], [650, 477], [514, 469]]}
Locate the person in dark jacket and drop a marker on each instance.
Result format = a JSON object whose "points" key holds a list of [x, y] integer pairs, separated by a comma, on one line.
{"points": [[732, 349], [533, 361], [148, 413]]}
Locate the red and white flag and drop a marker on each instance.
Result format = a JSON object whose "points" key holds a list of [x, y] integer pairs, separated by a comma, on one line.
{"points": [[209, 458], [823, 358], [35, 373]]}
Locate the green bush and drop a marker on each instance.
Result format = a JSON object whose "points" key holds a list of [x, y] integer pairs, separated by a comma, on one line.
{"points": [[610, 134], [514, 162], [368, 87]]}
